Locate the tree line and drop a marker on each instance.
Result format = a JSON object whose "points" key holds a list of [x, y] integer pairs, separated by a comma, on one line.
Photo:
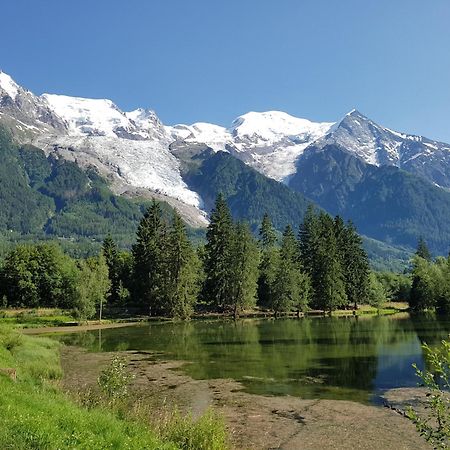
{"points": [[321, 266], [430, 281]]}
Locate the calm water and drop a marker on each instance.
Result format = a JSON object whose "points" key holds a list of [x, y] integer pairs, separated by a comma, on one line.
{"points": [[339, 358]]}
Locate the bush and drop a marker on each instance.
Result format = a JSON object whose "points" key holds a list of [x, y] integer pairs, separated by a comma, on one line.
{"points": [[114, 380], [435, 426]]}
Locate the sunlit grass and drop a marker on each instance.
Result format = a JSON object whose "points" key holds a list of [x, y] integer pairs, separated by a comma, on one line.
{"points": [[35, 414]]}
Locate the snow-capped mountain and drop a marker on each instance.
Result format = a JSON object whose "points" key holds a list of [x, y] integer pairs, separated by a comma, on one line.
{"points": [[270, 142], [26, 113], [380, 146], [130, 148], [135, 151]]}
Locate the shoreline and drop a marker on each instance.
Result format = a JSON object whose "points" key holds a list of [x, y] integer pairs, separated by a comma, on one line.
{"points": [[253, 421], [76, 328]]}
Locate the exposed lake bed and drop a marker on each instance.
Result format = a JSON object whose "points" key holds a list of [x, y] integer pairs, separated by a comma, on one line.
{"points": [[254, 421], [307, 383]]}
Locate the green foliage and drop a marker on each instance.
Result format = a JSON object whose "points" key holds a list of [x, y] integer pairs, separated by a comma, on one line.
{"points": [[291, 286], [396, 285], [34, 414], [245, 262], [376, 294], [115, 378], [422, 249], [206, 433], [149, 260], [93, 286], [39, 275], [354, 262], [322, 260], [269, 263], [434, 426], [183, 271], [217, 289]]}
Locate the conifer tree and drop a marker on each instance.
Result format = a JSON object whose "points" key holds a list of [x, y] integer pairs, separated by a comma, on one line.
{"points": [[150, 261], [245, 262], [291, 286], [325, 268], [183, 268], [269, 262], [308, 239], [354, 262], [111, 254], [422, 250], [218, 252]]}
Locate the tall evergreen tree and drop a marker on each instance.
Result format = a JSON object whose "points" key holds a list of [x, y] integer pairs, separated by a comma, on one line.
{"points": [[111, 254], [422, 250], [291, 286], [324, 265], [269, 262], [308, 236], [183, 267], [218, 252], [150, 261], [354, 262], [245, 262]]}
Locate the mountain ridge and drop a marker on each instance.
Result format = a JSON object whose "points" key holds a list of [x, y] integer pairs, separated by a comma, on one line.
{"points": [[138, 155]]}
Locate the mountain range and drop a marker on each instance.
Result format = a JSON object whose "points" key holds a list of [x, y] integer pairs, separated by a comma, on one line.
{"points": [[394, 186]]}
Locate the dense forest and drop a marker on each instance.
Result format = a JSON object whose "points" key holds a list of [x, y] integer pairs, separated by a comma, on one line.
{"points": [[320, 266]]}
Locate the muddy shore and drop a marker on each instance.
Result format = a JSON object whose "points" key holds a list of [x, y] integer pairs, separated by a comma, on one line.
{"points": [[256, 421]]}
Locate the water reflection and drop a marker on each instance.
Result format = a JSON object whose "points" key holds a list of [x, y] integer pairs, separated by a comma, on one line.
{"points": [[340, 358]]}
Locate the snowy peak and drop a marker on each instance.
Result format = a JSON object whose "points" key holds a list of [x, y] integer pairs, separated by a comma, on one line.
{"points": [[88, 116], [365, 139], [8, 85], [270, 141], [271, 126]]}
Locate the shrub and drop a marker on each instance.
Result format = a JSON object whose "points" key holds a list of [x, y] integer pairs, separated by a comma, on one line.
{"points": [[435, 426], [114, 380]]}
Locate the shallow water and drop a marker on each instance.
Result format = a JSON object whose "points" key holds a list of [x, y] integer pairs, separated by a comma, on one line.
{"points": [[334, 358]]}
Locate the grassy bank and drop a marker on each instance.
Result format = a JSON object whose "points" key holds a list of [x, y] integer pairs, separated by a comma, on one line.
{"points": [[35, 414]]}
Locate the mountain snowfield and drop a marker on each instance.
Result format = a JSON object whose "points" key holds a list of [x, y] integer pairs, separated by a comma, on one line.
{"points": [[133, 149]]}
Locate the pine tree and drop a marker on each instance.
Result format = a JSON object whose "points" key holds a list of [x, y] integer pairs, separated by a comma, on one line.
{"points": [[183, 267], [326, 271], [354, 262], [150, 261], [269, 262], [218, 263], [111, 254], [422, 250], [308, 238], [245, 261], [291, 286]]}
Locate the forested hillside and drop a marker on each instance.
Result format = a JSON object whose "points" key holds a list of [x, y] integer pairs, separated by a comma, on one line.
{"points": [[385, 203], [44, 197], [248, 193]]}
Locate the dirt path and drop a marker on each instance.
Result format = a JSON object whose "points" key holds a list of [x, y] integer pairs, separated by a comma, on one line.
{"points": [[77, 328], [254, 421]]}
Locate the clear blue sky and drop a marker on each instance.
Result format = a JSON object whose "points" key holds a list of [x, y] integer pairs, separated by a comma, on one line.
{"points": [[212, 60]]}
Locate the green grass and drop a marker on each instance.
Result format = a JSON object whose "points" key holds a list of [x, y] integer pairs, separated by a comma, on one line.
{"points": [[30, 318], [35, 414]]}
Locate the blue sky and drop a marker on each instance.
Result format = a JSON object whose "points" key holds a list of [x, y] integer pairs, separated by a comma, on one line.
{"points": [[211, 60]]}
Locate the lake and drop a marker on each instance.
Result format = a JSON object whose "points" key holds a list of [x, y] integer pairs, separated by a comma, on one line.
{"points": [[348, 358]]}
